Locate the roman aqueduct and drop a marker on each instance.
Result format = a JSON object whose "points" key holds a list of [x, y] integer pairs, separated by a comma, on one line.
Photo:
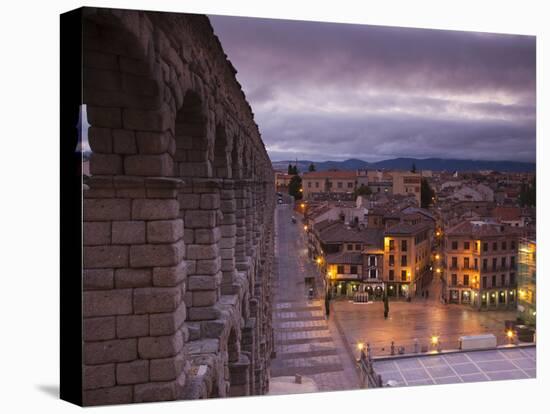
{"points": [[178, 216]]}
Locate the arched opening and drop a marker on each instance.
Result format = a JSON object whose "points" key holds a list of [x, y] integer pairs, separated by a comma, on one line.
{"points": [[191, 155]]}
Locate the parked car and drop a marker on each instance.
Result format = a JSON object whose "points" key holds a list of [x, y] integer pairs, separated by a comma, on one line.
{"points": [[280, 201], [293, 220]]}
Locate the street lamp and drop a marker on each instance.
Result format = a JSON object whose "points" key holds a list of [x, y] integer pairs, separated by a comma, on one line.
{"points": [[510, 335], [305, 227]]}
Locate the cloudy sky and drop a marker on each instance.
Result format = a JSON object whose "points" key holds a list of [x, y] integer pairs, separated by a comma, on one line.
{"points": [[326, 91]]}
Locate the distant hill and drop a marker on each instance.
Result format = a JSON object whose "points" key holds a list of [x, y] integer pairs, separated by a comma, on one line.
{"points": [[434, 164]]}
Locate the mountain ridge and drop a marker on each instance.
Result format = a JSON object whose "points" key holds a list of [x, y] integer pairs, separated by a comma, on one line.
{"points": [[405, 163]]}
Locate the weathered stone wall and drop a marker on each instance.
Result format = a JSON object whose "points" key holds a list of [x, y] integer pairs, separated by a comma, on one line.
{"points": [[178, 217]]}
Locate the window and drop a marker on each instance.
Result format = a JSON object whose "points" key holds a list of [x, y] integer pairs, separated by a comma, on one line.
{"points": [[454, 280], [485, 247], [493, 280], [512, 245], [484, 282], [358, 247], [404, 275], [391, 274], [373, 273], [495, 246], [503, 245], [466, 280], [403, 245], [309, 184], [454, 245], [350, 185], [339, 184], [513, 262], [392, 260], [484, 265], [350, 246], [502, 280], [392, 244], [475, 263], [340, 269], [454, 263], [353, 270], [404, 260], [316, 184], [372, 260], [466, 245], [512, 279], [466, 263], [494, 263], [503, 262], [476, 246]]}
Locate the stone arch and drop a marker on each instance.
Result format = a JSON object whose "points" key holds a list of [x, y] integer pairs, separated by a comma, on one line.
{"points": [[192, 148], [130, 121]]}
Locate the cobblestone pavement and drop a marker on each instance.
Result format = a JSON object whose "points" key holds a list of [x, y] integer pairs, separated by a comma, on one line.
{"points": [[305, 342], [419, 319]]}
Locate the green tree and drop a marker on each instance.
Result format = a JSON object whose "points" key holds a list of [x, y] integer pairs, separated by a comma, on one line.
{"points": [[311, 167], [362, 190], [413, 168], [426, 193], [294, 187], [289, 169], [528, 194]]}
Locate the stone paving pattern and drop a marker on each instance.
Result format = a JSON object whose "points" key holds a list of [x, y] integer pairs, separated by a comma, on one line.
{"points": [[418, 319], [305, 342], [491, 365]]}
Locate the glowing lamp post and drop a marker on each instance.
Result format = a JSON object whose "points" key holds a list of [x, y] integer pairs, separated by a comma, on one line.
{"points": [[436, 344], [510, 336]]}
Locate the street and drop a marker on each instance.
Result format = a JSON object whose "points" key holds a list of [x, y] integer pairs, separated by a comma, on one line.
{"points": [[305, 342]]}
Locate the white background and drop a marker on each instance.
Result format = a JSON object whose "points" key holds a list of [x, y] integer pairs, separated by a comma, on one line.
{"points": [[29, 231]]}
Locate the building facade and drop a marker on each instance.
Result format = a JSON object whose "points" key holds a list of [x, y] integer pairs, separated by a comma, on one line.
{"points": [[481, 265], [527, 281], [407, 256], [328, 182], [406, 183]]}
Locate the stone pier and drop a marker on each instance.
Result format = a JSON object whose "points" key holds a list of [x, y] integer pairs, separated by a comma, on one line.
{"points": [[178, 216]]}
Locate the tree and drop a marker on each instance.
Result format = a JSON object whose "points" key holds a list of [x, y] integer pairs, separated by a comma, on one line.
{"points": [[295, 170], [413, 168], [362, 190], [311, 167], [386, 304], [289, 169], [426, 193], [294, 187], [528, 194]]}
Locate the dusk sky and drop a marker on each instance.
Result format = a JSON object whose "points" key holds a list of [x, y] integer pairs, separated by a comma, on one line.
{"points": [[326, 91]]}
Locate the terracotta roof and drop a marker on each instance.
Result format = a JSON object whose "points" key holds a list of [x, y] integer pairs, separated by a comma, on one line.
{"points": [[507, 213], [404, 228], [329, 174], [481, 229], [338, 232], [344, 258]]}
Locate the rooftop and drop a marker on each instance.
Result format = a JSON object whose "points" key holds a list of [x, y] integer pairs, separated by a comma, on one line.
{"points": [[330, 174], [338, 232], [481, 229]]}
